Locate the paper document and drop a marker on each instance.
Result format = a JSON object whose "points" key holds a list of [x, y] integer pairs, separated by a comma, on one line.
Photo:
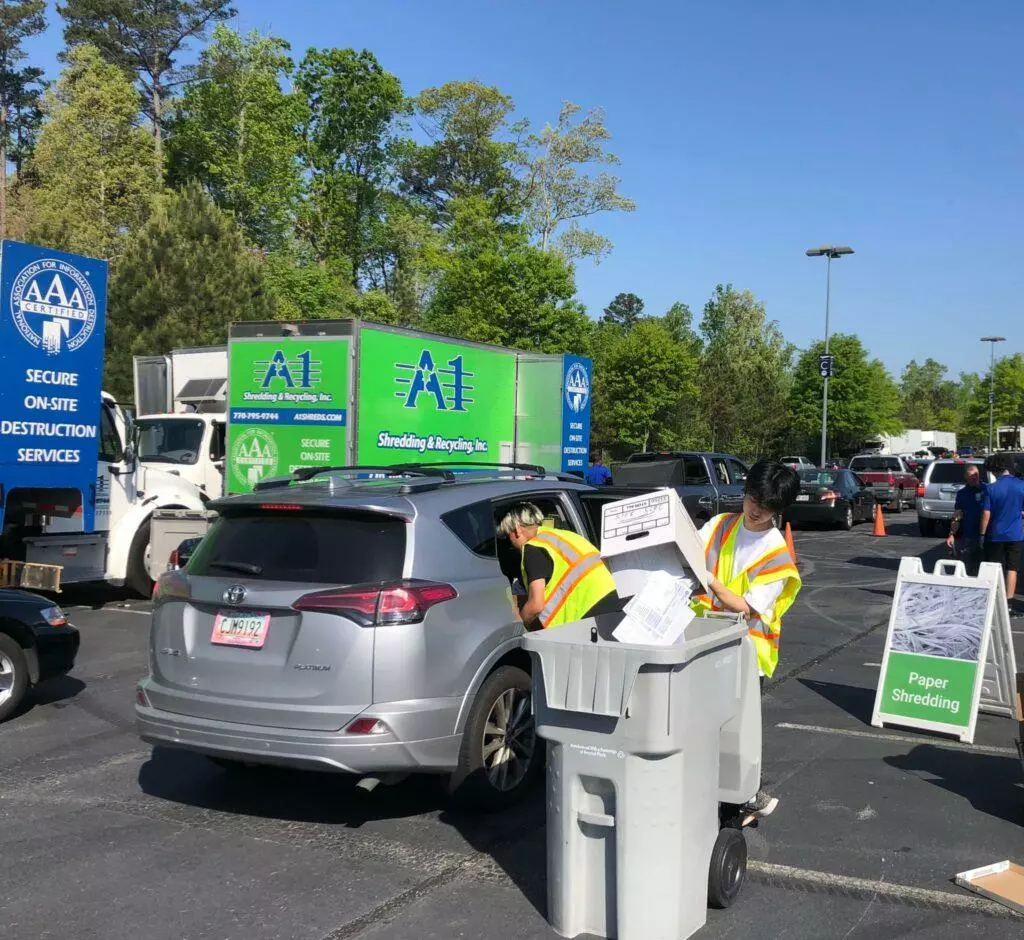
{"points": [[659, 613]]}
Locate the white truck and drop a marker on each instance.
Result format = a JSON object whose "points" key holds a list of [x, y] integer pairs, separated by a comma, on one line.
{"points": [[912, 441], [180, 402]]}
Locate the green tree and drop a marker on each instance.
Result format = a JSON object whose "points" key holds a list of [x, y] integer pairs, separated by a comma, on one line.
{"points": [[558, 191], [642, 380], [144, 37], [473, 151], [624, 311], [863, 400], [495, 287], [185, 277], [744, 374], [352, 104], [20, 88], [1008, 404], [91, 166], [237, 132], [928, 398], [678, 320]]}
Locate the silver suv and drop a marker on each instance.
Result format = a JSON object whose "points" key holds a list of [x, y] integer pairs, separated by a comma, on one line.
{"points": [[936, 493], [358, 625]]}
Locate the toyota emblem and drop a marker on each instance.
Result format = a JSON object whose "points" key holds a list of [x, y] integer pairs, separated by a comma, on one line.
{"points": [[235, 594]]}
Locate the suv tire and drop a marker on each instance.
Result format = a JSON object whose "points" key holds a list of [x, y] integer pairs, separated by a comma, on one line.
{"points": [[500, 725], [14, 672]]}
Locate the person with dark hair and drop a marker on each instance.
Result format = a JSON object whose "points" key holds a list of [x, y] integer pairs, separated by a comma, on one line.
{"points": [[598, 474], [752, 572], [1001, 527]]}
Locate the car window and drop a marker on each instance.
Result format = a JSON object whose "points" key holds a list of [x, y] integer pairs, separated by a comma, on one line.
{"points": [[694, 471], [875, 464], [950, 472], [509, 559], [475, 527], [350, 548], [721, 471], [593, 503], [217, 440], [737, 471]]}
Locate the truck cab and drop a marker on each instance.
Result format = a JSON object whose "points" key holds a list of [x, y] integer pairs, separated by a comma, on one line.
{"points": [[189, 445]]}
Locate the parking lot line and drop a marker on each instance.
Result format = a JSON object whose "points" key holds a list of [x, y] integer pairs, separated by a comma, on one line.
{"points": [[902, 738], [882, 890]]}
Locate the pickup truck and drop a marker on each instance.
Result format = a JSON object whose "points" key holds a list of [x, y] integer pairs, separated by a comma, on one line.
{"points": [[707, 483], [889, 479]]}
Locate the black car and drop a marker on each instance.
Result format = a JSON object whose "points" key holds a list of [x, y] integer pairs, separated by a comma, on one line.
{"points": [[833, 497], [36, 643]]}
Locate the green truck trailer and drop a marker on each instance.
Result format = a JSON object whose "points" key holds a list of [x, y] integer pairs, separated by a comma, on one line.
{"points": [[330, 393]]}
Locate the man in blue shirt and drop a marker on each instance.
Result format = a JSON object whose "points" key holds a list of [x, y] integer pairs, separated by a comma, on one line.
{"points": [[1001, 526], [598, 474], [965, 529]]}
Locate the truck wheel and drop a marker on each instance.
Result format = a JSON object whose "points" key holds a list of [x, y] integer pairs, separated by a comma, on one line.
{"points": [[728, 866], [13, 675], [138, 578], [500, 755]]}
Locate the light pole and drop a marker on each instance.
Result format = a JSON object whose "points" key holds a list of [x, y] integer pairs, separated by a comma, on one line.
{"points": [[828, 252], [992, 382]]}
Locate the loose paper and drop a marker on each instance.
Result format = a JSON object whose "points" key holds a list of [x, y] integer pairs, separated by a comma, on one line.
{"points": [[659, 613]]}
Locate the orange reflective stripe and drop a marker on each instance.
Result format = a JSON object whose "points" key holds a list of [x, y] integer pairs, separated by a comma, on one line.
{"points": [[771, 556], [562, 590], [761, 635], [785, 566], [566, 552]]}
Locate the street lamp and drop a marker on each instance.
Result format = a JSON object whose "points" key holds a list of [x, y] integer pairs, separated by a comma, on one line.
{"points": [[828, 252], [992, 382]]}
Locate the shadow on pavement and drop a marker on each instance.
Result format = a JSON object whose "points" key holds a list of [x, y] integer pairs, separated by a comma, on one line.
{"points": [[991, 783], [928, 558], [57, 692], [852, 699], [514, 838]]}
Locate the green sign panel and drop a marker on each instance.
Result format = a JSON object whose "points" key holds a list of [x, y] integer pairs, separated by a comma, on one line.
{"points": [[929, 688], [424, 400], [288, 407]]}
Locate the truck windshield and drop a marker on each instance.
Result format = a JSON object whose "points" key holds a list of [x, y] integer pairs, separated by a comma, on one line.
{"points": [[170, 440], [875, 464]]}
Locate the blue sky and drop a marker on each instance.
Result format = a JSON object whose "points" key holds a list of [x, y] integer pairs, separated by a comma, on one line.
{"points": [[750, 131]]}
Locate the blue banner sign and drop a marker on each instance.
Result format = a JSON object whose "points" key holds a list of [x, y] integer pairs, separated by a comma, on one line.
{"points": [[577, 379], [52, 321]]}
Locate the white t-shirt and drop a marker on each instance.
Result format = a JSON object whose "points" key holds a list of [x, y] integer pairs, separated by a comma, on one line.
{"points": [[751, 546]]}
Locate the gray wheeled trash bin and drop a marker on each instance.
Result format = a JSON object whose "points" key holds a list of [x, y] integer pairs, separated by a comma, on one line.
{"points": [[634, 785]]}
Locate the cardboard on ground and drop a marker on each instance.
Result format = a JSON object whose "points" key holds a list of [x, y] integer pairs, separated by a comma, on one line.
{"points": [[1002, 882], [649, 533]]}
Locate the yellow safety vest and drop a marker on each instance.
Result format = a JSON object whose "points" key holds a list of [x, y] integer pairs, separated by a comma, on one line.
{"points": [[774, 565], [580, 578]]}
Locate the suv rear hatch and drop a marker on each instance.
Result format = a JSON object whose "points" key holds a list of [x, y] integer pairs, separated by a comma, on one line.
{"points": [[945, 480], [272, 622]]}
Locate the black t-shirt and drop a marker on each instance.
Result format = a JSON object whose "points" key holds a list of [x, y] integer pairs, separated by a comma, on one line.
{"points": [[539, 567]]}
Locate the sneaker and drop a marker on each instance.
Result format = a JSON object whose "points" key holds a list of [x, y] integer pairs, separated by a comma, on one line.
{"points": [[764, 804]]}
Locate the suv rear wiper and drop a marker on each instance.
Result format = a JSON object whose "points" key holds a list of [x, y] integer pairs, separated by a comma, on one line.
{"points": [[243, 566]]}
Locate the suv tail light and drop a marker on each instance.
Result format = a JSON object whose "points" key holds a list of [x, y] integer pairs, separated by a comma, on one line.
{"points": [[380, 606], [171, 585], [920, 491]]}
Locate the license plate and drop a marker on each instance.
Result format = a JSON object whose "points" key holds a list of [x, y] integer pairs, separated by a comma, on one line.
{"points": [[803, 498], [248, 630]]}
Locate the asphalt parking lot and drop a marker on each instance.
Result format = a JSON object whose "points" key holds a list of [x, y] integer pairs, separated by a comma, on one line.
{"points": [[105, 838]]}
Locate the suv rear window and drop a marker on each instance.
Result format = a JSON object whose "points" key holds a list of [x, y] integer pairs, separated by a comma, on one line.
{"points": [[474, 526], [289, 546], [950, 472]]}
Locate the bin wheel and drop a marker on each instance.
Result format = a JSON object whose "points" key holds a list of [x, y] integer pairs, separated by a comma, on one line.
{"points": [[728, 866]]}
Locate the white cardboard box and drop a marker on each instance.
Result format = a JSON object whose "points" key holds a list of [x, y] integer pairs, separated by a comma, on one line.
{"points": [[651, 532]]}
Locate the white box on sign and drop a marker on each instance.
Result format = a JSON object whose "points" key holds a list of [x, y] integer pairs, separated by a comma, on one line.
{"points": [[642, 523]]}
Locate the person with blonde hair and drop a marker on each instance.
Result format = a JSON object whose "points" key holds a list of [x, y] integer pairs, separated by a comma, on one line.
{"points": [[564, 575]]}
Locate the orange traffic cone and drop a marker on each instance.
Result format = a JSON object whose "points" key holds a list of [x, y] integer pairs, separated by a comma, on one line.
{"points": [[879, 520], [789, 542]]}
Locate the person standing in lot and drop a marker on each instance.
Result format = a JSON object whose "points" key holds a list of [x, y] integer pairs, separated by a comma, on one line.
{"points": [[752, 573], [1001, 527], [598, 474], [965, 529]]}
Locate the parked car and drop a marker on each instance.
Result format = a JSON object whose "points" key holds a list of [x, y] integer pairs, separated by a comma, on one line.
{"points": [[707, 483], [891, 482], [37, 643], [798, 463], [831, 497], [936, 495], [359, 626]]}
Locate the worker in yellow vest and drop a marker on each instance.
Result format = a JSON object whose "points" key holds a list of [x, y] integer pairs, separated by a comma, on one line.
{"points": [[752, 573], [563, 575]]}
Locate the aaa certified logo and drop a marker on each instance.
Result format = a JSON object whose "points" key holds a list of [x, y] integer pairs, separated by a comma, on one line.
{"points": [[254, 456], [53, 306], [577, 387]]}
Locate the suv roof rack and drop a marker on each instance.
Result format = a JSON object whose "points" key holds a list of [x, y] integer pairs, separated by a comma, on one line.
{"points": [[305, 474], [485, 464]]}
